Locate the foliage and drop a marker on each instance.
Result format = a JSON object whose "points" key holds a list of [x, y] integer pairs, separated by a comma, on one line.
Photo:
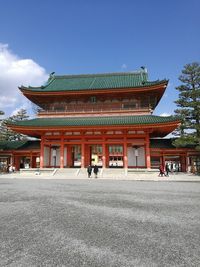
{"points": [[6, 133], [189, 107]]}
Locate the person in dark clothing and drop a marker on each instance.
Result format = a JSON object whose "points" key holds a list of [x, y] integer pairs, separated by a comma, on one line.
{"points": [[96, 170], [171, 167], [161, 169], [167, 170], [89, 171], [21, 165]]}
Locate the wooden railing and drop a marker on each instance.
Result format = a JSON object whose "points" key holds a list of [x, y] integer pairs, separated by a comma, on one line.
{"points": [[82, 108]]}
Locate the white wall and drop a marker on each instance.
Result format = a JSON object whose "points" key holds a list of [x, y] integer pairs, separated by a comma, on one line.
{"points": [[46, 156], [47, 153], [132, 157], [65, 157], [57, 157]]}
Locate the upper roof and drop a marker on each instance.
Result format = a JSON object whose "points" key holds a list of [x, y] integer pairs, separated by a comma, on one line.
{"points": [[95, 81]]}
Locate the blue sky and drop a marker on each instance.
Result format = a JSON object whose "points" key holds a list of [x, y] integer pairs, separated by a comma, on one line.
{"points": [[73, 37]]}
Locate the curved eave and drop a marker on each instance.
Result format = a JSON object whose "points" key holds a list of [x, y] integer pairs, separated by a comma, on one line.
{"points": [[155, 129], [148, 87], [40, 96]]}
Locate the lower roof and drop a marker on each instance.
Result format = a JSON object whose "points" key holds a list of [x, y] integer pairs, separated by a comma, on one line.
{"points": [[9, 145], [157, 126], [35, 144], [97, 121], [20, 145]]}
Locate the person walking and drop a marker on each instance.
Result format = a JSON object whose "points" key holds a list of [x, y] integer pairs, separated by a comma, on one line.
{"points": [[167, 170], [89, 171], [96, 170], [161, 169], [172, 167]]}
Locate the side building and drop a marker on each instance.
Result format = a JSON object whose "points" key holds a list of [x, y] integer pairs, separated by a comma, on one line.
{"points": [[103, 119]]}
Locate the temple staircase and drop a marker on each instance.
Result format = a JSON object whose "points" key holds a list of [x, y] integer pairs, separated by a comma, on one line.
{"points": [[104, 173], [81, 173], [66, 173]]}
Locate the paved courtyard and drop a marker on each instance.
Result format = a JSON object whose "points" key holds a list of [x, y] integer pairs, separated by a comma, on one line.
{"points": [[99, 223]]}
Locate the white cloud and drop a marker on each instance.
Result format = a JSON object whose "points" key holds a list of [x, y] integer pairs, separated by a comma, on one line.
{"points": [[14, 72], [25, 105], [165, 114], [124, 66], [7, 101]]}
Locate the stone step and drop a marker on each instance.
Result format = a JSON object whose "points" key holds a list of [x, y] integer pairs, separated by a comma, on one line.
{"points": [[67, 172]]}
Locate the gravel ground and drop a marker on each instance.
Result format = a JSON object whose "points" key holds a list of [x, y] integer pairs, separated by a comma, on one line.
{"points": [[99, 223]]}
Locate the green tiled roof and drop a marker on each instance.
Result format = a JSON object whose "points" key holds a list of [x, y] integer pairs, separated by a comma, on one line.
{"points": [[95, 81], [161, 143], [35, 144], [166, 143], [30, 144], [20, 145], [9, 145], [96, 121]]}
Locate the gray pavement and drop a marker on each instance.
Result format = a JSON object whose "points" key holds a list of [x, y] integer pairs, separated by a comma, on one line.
{"points": [[99, 223], [109, 174]]}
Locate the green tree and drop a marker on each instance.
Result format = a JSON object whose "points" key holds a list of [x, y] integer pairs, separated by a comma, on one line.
{"points": [[189, 106], [20, 115], [1, 113], [6, 133]]}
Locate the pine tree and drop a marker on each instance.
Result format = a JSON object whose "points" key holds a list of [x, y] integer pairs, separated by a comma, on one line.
{"points": [[1, 113], [21, 115], [6, 133], [9, 135], [189, 106]]}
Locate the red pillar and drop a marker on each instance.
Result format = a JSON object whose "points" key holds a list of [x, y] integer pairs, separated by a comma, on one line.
{"points": [[125, 154], [69, 156], [42, 152], [17, 162], [104, 154], [82, 154], [50, 156], [62, 153], [186, 162], [148, 157], [183, 163], [107, 156], [31, 159]]}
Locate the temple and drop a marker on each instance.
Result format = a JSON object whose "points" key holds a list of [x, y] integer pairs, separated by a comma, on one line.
{"points": [[104, 119]]}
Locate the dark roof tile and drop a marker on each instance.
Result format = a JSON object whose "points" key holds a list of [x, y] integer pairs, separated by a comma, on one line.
{"points": [[95, 81], [95, 121]]}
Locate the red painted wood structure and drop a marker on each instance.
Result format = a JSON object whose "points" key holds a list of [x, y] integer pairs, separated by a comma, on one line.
{"points": [[103, 119]]}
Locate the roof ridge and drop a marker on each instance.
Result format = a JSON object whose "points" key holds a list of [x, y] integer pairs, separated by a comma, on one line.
{"points": [[138, 72], [105, 117]]}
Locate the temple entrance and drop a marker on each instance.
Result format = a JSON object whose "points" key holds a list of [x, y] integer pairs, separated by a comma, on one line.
{"points": [[95, 155], [76, 156], [175, 163], [115, 156], [136, 157], [25, 163]]}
